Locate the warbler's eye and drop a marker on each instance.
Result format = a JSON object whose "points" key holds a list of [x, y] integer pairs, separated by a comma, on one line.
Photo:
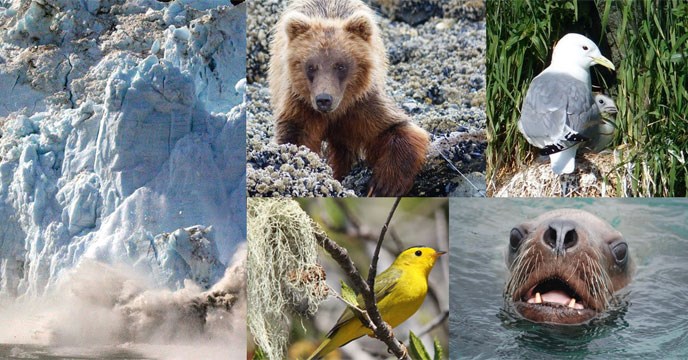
{"points": [[419, 253]]}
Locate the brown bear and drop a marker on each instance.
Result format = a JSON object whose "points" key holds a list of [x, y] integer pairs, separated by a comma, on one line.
{"points": [[327, 77]]}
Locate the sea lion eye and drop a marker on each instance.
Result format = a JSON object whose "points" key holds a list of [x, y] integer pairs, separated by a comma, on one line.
{"points": [[585, 47], [515, 238], [620, 252], [419, 253]]}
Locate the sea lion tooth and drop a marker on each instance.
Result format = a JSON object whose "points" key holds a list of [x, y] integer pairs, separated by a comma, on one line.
{"points": [[538, 298], [572, 304]]}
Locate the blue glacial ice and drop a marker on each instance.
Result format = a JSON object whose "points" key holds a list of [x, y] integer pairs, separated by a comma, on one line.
{"points": [[122, 139]]}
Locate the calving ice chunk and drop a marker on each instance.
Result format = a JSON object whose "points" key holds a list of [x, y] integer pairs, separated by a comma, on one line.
{"points": [[559, 102], [106, 146]]}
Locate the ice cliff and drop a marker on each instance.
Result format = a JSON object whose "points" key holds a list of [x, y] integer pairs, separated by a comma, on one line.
{"points": [[122, 138]]}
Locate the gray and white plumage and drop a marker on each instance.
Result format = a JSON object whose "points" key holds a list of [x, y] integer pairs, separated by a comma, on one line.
{"points": [[559, 102], [600, 132]]}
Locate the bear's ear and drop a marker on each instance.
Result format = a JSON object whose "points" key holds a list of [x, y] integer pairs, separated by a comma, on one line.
{"points": [[296, 24], [360, 25]]}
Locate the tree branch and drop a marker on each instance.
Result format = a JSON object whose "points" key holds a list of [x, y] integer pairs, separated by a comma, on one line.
{"points": [[362, 314], [380, 328], [376, 255]]}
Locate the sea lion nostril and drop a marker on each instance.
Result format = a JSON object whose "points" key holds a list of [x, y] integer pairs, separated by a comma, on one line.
{"points": [[570, 239], [550, 237], [560, 235]]}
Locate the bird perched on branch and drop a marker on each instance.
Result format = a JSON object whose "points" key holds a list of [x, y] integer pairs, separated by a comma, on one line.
{"points": [[399, 290]]}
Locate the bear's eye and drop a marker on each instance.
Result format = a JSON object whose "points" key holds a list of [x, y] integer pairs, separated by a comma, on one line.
{"points": [[340, 67], [419, 253], [585, 48], [310, 72]]}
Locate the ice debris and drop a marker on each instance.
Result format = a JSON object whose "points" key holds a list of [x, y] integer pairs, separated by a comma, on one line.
{"points": [[114, 152]]}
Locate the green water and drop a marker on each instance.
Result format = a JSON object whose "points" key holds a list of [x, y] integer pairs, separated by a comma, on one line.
{"points": [[650, 323]]}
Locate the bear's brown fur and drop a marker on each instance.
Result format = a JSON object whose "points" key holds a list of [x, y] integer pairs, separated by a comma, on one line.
{"points": [[327, 75]]}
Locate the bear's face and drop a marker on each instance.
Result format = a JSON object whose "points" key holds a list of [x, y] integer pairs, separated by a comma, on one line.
{"points": [[328, 73], [329, 60]]}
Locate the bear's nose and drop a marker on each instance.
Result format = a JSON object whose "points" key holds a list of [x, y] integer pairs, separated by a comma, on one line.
{"points": [[324, 102], [561, 235]]}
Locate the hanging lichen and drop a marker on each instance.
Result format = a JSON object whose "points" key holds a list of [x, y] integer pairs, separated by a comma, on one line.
{"points": [[283, 274]]}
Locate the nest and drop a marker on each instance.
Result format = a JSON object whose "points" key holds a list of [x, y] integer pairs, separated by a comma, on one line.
{"points": [[596, 175]]}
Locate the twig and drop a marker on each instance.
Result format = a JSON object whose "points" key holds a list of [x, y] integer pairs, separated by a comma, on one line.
{"points": [[348, 214], [380, 328], [362, 313], [376, 255], [437, 321], [361, 231], [341, 256]]}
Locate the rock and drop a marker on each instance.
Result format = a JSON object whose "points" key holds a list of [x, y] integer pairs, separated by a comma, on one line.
{"points": [[412, 12]]}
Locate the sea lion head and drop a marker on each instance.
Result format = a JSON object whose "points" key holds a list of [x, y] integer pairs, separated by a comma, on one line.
{"points": [[565, 267]]}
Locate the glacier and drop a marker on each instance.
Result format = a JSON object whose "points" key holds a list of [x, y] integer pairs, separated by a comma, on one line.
{"points": [[122, 140]]}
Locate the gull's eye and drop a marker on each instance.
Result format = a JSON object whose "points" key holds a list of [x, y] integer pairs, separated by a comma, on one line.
{"points": [[601, 101], [585, 47], [419, 253]]}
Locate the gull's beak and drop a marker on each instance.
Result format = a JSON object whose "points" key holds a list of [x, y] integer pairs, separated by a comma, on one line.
{"points": [[610, 109], [601, 60]]}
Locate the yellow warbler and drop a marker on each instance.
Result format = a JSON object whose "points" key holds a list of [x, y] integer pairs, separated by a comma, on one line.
{"points": [[399, 290]]}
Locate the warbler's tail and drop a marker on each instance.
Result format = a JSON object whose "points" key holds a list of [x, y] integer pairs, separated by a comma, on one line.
{"points": [[322, 350]]}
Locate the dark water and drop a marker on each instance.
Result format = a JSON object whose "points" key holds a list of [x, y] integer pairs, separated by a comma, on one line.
{"points": [[19, 351], [651, 323]]}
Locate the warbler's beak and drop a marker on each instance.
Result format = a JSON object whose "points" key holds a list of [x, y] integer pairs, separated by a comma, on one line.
{"points": [[439, 253], [601, 60]]}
